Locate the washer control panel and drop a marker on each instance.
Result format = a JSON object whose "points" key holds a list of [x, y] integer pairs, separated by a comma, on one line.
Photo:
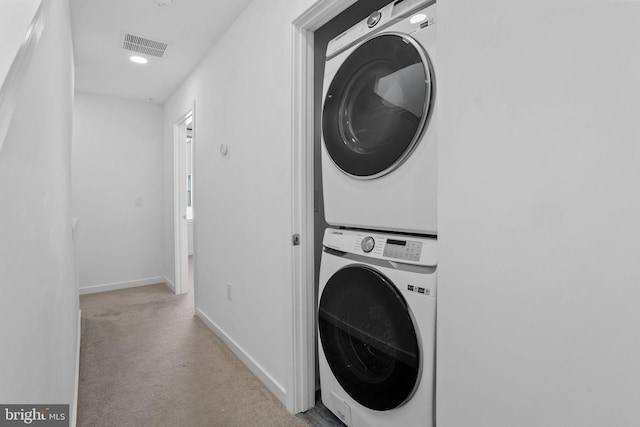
{"points": [[416, 250], [403, 249]]}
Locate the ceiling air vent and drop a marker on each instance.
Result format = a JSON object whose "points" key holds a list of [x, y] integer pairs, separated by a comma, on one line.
{"points": [[144, 45]]}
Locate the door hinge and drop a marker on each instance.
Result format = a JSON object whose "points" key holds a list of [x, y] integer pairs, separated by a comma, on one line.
{"points": [[295, 239]]}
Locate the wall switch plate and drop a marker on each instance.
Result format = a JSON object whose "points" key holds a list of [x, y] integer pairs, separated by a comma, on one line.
{"points": [[228, 291], [138, 201]]}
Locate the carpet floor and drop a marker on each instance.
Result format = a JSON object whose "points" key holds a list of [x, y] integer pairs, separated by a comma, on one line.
{"points": [[145, 360]]}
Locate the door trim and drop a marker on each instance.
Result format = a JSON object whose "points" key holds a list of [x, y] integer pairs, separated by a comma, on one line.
{"points": [[302, 364]]}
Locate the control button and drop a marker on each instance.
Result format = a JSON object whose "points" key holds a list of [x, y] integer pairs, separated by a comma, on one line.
{"points": [[373, 19], [368, 244]]}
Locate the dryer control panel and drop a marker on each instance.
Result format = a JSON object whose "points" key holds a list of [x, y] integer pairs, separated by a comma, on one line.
{"points": [[378, 21], [393, 247]]}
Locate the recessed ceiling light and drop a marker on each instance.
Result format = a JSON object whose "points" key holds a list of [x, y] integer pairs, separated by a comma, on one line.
{"points": [[415, 19], [138, 59]]}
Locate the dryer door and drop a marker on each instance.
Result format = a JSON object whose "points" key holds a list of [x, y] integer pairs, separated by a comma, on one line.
{"points": [[368, 338], [378, 105]]}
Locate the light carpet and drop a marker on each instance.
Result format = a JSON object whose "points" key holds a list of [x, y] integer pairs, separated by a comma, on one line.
{"points": [[145, 360]]}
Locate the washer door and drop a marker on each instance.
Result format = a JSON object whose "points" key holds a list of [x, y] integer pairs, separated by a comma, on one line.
{"points": [[377, 106], [368, 338]]}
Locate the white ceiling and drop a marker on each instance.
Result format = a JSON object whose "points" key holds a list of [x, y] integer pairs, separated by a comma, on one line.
{"points": [[191, 27]]}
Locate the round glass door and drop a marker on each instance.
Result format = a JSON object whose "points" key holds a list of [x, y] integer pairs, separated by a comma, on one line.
{"points": [[377, 106], [368, 338]]}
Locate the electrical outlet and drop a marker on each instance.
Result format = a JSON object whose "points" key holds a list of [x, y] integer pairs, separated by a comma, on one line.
{"points": [[228, 291], [138, 201]]}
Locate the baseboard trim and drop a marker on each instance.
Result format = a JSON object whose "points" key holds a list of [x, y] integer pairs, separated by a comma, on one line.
{"points": [[273, 385], [121, 285], [170, 284], [76, 387]]}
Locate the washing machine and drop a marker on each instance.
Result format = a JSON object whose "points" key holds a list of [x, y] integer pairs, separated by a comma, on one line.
{"points": [[376, 328], [379, 158]]}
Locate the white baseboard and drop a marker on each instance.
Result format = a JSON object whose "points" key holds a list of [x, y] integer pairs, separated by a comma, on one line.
{"points": [[84, 290], [74, 408], [273, 386], [170, 284]]}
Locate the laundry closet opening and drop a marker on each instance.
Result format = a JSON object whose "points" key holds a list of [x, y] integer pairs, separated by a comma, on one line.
{"points": [[342, 22]]}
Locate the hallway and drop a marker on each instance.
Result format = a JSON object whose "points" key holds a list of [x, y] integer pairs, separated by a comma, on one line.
{"points": [[147, 361]]}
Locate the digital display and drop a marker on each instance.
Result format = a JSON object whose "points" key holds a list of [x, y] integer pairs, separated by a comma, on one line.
{"points": [[397, 242]]}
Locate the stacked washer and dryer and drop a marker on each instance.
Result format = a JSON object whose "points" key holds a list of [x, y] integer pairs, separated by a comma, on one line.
{"points": [[377, 291]]}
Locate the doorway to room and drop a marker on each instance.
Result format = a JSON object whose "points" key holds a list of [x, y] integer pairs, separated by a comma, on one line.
{"points": [[184, 206], [189, 197]]}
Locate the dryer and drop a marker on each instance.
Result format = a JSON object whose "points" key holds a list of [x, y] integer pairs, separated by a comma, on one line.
{"points": [[376, 328], [379, 155]]}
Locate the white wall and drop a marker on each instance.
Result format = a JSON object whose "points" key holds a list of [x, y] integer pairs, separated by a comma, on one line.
{"points": [[242, 205], [117, 158], [539, 238], [39, 298], [15, 18]]}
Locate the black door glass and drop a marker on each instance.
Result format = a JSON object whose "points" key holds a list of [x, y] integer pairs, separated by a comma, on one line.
{"points": [[377, 105], [368, 338]]}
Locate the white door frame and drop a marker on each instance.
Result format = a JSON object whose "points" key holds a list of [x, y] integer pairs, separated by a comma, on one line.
{"points": [[301, 382], [180, 234]]}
